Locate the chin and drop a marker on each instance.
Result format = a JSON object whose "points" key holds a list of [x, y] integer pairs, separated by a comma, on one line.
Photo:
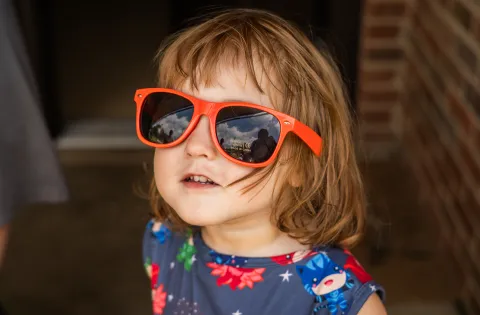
{"points": [[201, 217], [198, 213]]}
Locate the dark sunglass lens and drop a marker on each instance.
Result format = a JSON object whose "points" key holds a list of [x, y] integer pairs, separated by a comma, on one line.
{"points": [[247, 134], [165, 117]]}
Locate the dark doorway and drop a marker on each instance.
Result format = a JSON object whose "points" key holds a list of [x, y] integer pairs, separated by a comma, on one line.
{"points": [[36, 22], [335, 22]]}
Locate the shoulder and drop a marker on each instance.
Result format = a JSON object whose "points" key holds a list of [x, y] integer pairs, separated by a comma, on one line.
{"points": [[160, 244], [338, 281]]}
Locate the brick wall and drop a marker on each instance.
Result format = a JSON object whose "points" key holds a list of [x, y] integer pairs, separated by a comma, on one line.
{"points": [[380, 66], [420, 93]]}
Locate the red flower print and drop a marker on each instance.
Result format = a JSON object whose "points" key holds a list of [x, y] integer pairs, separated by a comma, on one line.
{"points": [[283, 259], [236, 277], [292, 257], [357, 269], [159, 300], [154, 276]]}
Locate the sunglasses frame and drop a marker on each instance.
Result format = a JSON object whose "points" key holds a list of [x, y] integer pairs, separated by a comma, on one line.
{"points": [[211, 109]]}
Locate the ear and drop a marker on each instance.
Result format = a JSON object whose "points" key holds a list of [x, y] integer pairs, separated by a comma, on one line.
{"points": [[319, 260], [300, 270], [294, 180]]}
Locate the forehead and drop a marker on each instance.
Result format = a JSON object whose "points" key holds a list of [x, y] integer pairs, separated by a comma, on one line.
{"points": [[232, 83]]}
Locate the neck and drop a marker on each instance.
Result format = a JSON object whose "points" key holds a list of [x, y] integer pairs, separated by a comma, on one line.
{"points": [[254, 236]]}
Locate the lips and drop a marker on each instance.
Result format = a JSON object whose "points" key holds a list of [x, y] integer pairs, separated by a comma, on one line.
{"points": [[198, 178], [328, 282]]}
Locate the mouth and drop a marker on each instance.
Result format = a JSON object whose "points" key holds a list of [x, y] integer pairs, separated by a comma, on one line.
{"points": [[198, 179], [328, 282]]}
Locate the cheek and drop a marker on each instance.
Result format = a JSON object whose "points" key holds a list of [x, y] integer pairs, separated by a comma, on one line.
{"points": [[162, 165], [264, 192]]}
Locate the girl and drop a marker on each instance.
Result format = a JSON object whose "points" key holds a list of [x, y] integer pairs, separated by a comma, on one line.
{"points": [[256, 195]]}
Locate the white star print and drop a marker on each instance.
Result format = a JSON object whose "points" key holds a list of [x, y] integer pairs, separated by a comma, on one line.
{"points": [[373, 288], [286, 276], [170, 298], [172, 265], [237, 313]]}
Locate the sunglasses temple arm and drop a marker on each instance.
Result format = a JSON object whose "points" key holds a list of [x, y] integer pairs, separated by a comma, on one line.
{"points": [[310, 137]]}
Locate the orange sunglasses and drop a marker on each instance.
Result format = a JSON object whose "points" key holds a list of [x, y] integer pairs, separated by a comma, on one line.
{"points": [[246, 134]]}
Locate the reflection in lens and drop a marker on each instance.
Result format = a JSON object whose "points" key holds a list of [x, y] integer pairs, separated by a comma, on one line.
{"points": [[247, 134], [165, 117]]}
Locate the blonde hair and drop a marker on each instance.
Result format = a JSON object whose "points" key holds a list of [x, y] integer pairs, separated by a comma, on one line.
{"points": [[328, 205]]}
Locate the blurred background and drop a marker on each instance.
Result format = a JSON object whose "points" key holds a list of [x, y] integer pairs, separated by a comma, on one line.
{"points": [[412, 69]]}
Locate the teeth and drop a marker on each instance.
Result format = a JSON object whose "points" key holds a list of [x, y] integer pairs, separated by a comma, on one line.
{"points": [[200, 179]]}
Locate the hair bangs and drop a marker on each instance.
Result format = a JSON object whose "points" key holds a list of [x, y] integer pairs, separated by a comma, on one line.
{"points": [[197, 55]]}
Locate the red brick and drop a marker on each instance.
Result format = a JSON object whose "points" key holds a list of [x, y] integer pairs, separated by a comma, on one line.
{"points": [[460, 112], [378, 136], [462, 14], [377, 75], [442, 218], [464, 216], [476, 142], [423, 135], [384, 54], [429, 39], [471, 163], [472, 95], [461, 252], [440, 30], [469, 206], [383, 31], [416, 22], [439, 159], [475, 271], [444, 210], [472, 201], [467, 56], [431, 178], [376, 116], [445, 3], [476, 29], [436, 77], [453, 74], [455, 173], [422, 6], [379, 96], [454, 182], [386, 9]]}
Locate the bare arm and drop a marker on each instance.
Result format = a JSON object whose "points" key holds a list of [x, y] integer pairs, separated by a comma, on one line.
{"points": [[373, 306]]}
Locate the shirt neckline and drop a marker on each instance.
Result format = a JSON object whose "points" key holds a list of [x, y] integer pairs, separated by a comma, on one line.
{"points": [[209, 255]]}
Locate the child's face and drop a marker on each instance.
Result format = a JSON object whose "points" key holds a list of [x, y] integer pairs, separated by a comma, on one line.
{"points": [[206, 204]]}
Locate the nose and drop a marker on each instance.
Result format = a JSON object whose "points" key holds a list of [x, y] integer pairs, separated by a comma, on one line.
{"points": [[199, 143]]}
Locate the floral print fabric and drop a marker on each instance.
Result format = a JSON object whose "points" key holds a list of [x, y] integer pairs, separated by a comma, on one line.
{"points": [[188, 277]]}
